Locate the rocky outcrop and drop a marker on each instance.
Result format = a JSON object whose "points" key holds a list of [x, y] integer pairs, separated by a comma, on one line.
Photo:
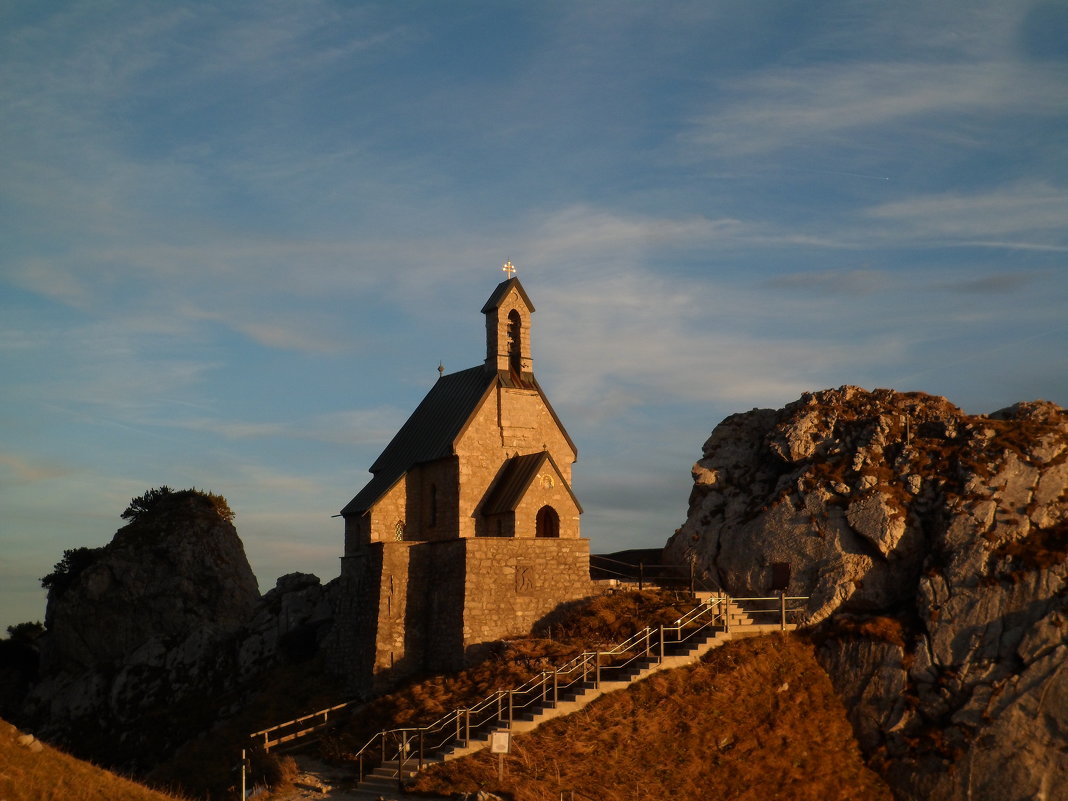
{"points": [[163, 577], [932, 545], [154, 637]]}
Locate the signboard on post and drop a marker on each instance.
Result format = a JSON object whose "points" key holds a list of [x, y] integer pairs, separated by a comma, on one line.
{"points": [[501, 742]]}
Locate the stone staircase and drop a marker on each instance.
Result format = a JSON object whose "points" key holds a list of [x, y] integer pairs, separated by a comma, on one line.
{"points": [[736, 623]]}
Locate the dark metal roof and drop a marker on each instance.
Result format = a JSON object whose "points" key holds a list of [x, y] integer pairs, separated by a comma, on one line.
{"points": [[435, 424], [502, 290], [429, 433], [514, 481]]}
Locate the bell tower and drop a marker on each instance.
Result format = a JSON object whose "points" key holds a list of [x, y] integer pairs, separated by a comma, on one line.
{"points": [[508, 313]]}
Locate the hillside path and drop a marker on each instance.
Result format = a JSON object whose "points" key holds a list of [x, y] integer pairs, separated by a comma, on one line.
{"points": [[319, 781]]}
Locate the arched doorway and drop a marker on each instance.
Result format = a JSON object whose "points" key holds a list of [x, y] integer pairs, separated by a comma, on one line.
{"points": [[548, 522]]}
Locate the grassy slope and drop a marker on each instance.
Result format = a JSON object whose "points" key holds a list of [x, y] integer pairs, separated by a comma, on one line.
{"points": [[51, 775], [756, 720]]}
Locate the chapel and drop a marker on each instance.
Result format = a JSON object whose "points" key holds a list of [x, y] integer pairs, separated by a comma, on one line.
{"points": [[468, 530]]}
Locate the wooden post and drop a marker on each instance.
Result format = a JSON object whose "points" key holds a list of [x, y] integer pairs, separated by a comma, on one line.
{"points": [[661, 660], [243, 774], [782, 608]]}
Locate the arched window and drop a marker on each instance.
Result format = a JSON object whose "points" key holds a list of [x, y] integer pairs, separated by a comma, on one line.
{"points": [[548, 522], [515, 341]]}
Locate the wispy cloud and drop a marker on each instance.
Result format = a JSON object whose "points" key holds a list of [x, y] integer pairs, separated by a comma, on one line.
{"points": [[1026, 208], [22, 470], [837, 282], [998, 284]]}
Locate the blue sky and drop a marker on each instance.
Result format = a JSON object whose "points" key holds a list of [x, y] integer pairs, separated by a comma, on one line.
{"points": [[239, 237]]}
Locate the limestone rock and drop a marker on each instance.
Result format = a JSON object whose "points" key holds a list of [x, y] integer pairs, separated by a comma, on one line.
{"points": [[178, 571], [167, 616], [932, 545]]}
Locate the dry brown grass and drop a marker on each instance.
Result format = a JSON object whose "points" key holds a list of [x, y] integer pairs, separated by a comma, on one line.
{"points": [[607, 619], [756, 720], [51, 775], [1042, 548]]}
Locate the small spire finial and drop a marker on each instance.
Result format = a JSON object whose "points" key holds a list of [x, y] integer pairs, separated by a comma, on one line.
{"points": [[509, 268], [441, 369]]}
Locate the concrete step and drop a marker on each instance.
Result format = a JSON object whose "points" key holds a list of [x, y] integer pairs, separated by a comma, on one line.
{"points": [[576, 697]]}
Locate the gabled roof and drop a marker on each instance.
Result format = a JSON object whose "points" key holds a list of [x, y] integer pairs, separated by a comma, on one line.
{"points": [[429, 433], [515, 479], [502, 289]]}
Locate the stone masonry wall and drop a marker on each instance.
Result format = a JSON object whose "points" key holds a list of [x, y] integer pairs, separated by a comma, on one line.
{"points": [[547, 490], [389, 510], [511, 584], [497, 354], [429, 486], [434, 606], [483, 448]]}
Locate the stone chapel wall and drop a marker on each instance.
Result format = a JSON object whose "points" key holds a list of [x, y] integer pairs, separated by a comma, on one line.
{"points": [[511, 584], [484, 446]]}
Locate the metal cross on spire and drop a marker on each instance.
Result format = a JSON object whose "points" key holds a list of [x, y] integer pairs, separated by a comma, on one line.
{"points": [[509, 268]]}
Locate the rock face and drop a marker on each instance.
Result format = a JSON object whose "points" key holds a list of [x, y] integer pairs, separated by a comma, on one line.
{"points": [[163, 577], [152, 638], [933, 546]]}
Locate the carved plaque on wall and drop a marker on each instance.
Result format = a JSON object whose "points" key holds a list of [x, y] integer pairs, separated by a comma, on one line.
{"points": [[524, 580]]}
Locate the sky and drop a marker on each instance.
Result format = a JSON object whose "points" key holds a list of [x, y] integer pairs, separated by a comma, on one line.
{"points": [[237, 239]]}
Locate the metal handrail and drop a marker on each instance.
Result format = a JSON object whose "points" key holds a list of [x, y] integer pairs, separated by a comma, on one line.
{"points": [[589, 662], [544, 689]]}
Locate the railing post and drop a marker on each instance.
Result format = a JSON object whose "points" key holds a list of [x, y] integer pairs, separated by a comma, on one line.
{"points": [[648, 645], [661, 661], [420, 749], [509, 710], [556, 688], [782, 609], [597, 673], [400, 762], [467, 727]]}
